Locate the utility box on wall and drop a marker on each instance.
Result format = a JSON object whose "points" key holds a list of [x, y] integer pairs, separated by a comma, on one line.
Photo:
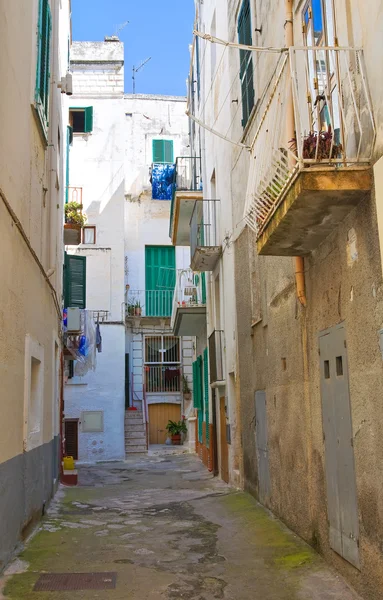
{"points": [[73, 320]]}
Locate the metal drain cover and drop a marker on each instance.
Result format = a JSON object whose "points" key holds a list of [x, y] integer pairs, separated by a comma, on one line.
{"points": [[52, 582]]}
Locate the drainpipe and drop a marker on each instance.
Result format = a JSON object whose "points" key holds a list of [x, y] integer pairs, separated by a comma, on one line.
{"points": [[290, 132]]}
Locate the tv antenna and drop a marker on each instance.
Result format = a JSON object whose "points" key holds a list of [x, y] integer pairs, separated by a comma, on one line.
{"points": [[136, 69], [120, 28]]}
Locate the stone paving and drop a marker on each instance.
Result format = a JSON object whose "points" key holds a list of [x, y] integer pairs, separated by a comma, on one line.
{"points": [[170, 531]]}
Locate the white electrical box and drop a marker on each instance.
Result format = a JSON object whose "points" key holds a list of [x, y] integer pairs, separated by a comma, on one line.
{"points": [[73, 320]]}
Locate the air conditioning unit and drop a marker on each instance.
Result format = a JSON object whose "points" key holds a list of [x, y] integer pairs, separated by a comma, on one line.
{"points": [[73, 320]]}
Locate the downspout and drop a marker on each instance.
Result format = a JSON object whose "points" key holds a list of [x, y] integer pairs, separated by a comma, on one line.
{"points": [[290, 132]]}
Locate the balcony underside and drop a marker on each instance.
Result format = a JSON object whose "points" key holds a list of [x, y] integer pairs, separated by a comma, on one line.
{"points": [[183, 208], [189, 320], [315, 203], [205, 258], [72, 234]]}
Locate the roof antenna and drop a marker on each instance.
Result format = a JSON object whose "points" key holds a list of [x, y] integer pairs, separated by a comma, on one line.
{"points": [[115, 37], [136, 69]]}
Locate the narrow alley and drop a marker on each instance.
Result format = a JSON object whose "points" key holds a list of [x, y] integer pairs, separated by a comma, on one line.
{"points": [[161, 527]]}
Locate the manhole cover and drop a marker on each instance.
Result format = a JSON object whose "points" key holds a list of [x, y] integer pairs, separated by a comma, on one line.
{"points": [[51, 582]]}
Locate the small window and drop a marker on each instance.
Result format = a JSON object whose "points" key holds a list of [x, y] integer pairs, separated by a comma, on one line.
{"points": [[92, 421], [163, 151], [81, 119], [327, 369], [89, 235], [339, 366]]}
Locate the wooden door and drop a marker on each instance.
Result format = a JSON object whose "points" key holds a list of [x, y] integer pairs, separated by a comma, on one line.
{"points": [[223, 441], [159, 415], [71, 438]]}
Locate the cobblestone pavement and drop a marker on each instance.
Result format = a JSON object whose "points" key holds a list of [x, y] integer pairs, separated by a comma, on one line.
{"points": [[169, 531]]}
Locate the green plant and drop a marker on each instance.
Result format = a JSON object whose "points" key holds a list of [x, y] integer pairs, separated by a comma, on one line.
{"points": [[185, 385], [176, 428], [137, 304], [74, 215]]}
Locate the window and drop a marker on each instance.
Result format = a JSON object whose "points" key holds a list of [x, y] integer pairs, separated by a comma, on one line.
{"points": [[92, 421], [74, 281], [246, 72], [89, 235], [160, 276], [33, 394], [162, 364], [81, 119], [162, 151], [44, 29]]}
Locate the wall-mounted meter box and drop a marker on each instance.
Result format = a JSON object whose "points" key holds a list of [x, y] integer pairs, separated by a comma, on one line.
{"points": [[73, 320]]}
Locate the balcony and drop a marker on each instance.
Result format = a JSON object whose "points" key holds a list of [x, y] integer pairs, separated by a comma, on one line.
{"points": [[205, 250], [187, 189], [149, 303], [162, 178], [302, 185], [75, 219], [216, 362], [189, 303]]}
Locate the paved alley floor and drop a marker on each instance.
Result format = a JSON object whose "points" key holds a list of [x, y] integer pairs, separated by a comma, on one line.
{"points": [[169, 531]]}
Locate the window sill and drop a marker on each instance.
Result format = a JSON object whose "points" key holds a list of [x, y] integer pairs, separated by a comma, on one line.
{"points": [[42, 123]]}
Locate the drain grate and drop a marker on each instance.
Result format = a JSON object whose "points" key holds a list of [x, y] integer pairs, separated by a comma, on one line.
{"points": [[52, 582]]}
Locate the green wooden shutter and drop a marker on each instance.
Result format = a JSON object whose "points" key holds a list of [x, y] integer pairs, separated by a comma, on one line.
{"points": [[195, 387], [246, 62], [158, 151], [206, 392], [69, 136], [168, 151], [156, 300], [163, 151], [203, 285], [88, 119], [74, 281], [44, 31]]}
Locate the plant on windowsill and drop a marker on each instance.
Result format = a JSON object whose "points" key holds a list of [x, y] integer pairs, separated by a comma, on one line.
{"points": [[131, 308], [137, 309], [74, 218], [185, 388], [175, 430]]}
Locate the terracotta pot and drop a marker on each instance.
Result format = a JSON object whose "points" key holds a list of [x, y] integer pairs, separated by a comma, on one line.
{"points": [[72, 226], [176, 439], [137, 312]]}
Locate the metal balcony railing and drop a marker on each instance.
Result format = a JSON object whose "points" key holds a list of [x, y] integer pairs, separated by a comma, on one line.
{"points": [[162, 378], [204, 225], [149, 303], [188, 173], [334, 123], [216, 360], [189, 292]]}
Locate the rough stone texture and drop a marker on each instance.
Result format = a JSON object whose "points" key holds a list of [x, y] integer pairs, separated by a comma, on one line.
{"points": [[26, 487], [171, 531]]}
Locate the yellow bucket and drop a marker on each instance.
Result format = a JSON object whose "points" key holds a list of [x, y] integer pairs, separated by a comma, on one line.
{"points": [[68, 463]]}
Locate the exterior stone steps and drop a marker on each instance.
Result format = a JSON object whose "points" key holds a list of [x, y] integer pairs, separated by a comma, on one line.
{"points": [[135, 432]]}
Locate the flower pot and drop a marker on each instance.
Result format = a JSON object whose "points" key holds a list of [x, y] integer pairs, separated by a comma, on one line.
{"points": [[176, 439], [187, 396], [137, 312]]}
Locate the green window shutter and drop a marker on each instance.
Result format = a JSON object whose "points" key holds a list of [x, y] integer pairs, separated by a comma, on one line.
{"points": [[69, 137], [203, 285], [156, 300], [88, 119], [246, 62], [163, 151], [74, 281], [168, 151], [206, 391], [44, 31], [158, 151], [195, 387]]}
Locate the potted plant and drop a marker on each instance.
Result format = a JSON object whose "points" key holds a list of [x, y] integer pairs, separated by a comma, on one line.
{"points": [[131, 309], [137, 309], [74, 218], [185, 388], [175, 429], [318, 145]]}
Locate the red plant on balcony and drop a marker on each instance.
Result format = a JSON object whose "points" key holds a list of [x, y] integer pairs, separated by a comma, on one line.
{"points": [[318, 146]]}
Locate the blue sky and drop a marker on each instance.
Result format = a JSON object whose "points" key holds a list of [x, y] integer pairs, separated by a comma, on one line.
{"points": [[162, 30]]}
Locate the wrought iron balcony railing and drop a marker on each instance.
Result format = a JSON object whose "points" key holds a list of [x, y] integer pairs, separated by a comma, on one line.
{"points": [[334, 124], [205, 248], [149, 303]]}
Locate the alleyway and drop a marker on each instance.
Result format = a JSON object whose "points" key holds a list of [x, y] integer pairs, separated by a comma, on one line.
{"points": [[168, 530]]}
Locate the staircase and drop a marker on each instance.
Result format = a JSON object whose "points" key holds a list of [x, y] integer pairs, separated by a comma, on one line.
{"points": [[135, 432]]}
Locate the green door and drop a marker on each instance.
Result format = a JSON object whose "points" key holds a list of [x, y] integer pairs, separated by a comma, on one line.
{"points": [[159, 301]]}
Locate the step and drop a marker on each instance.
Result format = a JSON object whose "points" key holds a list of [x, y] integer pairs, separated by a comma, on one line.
{"points": [[136, 450], [135, 441], [135, 427], [133, 415], [135, 435]]}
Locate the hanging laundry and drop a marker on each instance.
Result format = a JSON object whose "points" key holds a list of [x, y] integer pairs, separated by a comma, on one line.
{"points": [[98, 338]]}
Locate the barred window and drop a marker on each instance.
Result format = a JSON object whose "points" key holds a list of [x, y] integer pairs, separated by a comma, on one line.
{"points": [[162, 364]]}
